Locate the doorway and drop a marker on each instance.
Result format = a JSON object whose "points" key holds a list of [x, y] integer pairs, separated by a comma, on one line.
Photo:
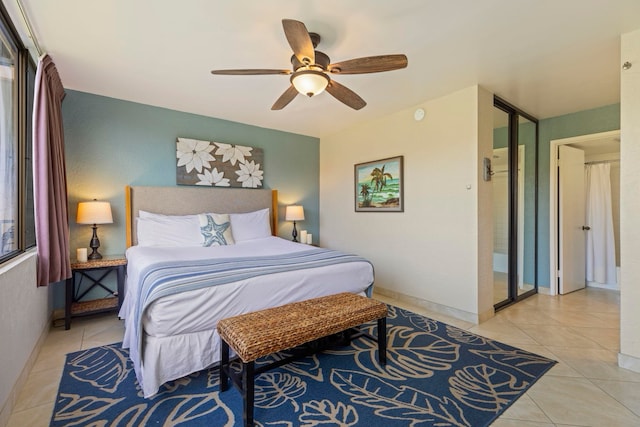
{"points": [[514, 181], [572, 269]]}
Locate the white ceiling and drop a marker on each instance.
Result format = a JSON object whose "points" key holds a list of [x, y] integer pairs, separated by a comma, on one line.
{"points": [[548, 57]]}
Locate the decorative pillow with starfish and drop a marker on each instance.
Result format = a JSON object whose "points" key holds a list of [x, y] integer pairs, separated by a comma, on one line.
{"points": [[215, 229]]}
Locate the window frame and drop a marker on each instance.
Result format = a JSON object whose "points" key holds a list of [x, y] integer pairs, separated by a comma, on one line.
{"points": [[22, 119]]}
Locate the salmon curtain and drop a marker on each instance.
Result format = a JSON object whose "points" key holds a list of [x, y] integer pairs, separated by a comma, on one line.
{"points": [[49, 176]]}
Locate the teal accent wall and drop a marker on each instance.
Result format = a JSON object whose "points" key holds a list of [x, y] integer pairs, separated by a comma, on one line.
{"points": [[112, 143], [586, 122]]}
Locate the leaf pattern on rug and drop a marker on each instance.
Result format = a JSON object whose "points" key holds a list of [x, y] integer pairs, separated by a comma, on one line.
{"points": [[78, 410], [308, 366], [186, 408], [213, 377], [274, 424], [349, 388], [465, 337], [485, 388], [410, 354], [104, 370], [400, 403], [323, 412], [171, 386], [512, 358], [273, 389]]}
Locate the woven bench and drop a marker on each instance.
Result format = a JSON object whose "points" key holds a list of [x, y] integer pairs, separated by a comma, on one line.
{"points": [[261, 333]]}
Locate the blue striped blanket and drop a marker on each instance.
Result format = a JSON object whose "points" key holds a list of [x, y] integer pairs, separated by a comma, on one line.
{"points": [[172, 277]]}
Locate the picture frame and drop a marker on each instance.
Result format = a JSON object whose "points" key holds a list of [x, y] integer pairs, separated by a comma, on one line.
{"points": [[379, 185]]}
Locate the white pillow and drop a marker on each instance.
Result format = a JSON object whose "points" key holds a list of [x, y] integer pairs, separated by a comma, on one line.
{"points": [[215, 229], [251, 225], [169, 231]]}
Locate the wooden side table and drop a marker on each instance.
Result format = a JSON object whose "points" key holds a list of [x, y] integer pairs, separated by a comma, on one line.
{"points": [[102, 268]]}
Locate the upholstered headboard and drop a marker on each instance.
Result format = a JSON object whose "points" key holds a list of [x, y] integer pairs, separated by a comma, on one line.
{"points": [[194, 200]]}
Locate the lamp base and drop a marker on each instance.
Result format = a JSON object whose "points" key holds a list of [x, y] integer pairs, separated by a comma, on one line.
{"points": [[295, 232], [94, 245]]}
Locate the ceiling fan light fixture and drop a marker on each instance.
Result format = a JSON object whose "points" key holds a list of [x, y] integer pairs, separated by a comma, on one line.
{"points": [[309, 82]]}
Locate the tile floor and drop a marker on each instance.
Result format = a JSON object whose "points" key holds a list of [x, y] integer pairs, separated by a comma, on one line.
{"points": [[580, 330]]}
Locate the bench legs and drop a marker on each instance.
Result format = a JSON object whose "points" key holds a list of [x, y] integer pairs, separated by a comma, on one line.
{"points": [[382, 340], [249, 372], [224, 365], [247, 392]]}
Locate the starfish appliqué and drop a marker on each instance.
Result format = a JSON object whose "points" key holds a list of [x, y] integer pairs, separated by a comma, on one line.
{"points": [[214, 233]]}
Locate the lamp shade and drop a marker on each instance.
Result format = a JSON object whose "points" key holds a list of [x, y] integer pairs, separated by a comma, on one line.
{"points": [[309, 82], [294, 213], [94, 213]]}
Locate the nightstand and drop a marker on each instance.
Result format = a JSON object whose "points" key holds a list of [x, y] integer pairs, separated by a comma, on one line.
{"points": [[100, 269]]}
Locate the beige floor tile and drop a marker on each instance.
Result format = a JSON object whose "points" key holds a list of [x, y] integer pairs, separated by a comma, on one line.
{"points": [[39, 389], [49, 360], [577, 401], [500, 329], [604, 370], [110, 333], [598, 354], [558, 336], [627, 393], [526, 316], [525, 409], [506, 422], [38, 416], [576, 318], [606, 337]]}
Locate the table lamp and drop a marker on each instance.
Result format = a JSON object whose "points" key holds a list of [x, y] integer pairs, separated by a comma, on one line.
{"points": [[94, 213], [294, 213]]}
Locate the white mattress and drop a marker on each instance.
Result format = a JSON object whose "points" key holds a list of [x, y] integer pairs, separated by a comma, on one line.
{"points": [[179, 330]]}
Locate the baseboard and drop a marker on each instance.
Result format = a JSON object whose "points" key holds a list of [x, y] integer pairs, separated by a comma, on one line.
{"points": [[613, 287], [629, 362], [544, 290], [7, 408], [438, 308]]}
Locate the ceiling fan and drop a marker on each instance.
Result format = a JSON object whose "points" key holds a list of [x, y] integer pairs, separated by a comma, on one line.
{"points": [[311, 68]]}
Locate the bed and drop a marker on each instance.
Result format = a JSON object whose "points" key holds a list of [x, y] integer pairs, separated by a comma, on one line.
{"points": [[176, 293]]}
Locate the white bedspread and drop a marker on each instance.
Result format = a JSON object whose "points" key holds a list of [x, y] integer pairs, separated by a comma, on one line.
{"points": [[179, 330]]}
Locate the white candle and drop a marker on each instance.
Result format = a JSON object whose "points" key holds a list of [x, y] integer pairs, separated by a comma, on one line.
{"points": [[81, 254], [303, 236], [309, 238]]}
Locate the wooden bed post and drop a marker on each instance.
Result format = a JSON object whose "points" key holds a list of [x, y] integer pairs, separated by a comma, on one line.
{"points": [[274, 211], [128, 214]]}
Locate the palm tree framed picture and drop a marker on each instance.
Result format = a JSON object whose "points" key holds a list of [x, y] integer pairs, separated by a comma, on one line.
{"points": [[379, 185]]}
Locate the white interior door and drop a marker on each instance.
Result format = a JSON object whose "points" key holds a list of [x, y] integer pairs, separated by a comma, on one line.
{"points": [[571, 219]]}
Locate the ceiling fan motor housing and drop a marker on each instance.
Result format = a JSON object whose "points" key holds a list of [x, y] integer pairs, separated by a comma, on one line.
{"points": [[322, 62]]}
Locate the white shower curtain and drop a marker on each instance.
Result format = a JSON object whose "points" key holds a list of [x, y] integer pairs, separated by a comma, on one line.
{"points": [[601, 250]]}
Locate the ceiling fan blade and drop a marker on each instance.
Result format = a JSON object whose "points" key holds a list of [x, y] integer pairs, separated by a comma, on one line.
{"points": [[249, 72], [299, 40], [345, 95], [285, 98], [369, 64]]}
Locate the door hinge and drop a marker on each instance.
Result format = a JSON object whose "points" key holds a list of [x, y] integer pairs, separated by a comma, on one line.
{"points": [[558, 274]]}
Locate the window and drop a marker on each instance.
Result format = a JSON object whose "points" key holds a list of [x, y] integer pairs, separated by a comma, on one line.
{"points": [[17, 80]]}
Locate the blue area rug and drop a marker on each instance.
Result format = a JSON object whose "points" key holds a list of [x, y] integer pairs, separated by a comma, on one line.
{"points": [[436, 375]]}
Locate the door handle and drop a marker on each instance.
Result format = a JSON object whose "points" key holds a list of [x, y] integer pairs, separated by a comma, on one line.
{"points": [[586, 227]]}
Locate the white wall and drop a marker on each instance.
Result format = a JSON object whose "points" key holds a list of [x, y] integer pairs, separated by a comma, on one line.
{"points": [[24, 316], [432, 250], [629, 356]]}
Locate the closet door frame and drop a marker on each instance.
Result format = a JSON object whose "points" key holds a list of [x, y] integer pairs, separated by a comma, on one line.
{"points": [[512, 258]]}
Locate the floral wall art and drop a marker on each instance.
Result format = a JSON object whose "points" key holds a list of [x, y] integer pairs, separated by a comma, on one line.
{"points": [[218, 164]]}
